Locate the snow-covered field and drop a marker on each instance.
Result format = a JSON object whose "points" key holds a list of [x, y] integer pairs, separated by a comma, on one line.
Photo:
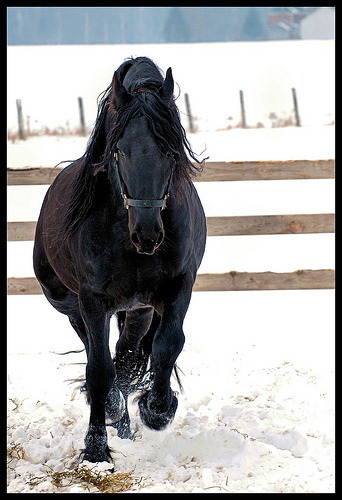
{"points": [[257, 412], [49, 79]]}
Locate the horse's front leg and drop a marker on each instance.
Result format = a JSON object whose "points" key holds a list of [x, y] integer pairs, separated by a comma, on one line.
{"points": [[100, 373], [158, 406]]}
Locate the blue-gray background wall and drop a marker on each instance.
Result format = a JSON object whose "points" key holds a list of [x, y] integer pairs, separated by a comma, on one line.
{"points": [[109, 25]]}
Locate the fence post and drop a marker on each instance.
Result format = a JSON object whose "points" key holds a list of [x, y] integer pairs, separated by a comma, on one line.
{"points": [[188, 110], [80, 105], [243, 112], [20, 119], [28, 130], [295, 103]]}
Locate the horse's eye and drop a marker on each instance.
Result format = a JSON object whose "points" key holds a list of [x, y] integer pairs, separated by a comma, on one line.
{"points": [[121, 153]]}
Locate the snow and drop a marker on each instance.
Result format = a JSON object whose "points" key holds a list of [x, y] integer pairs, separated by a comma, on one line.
{"points": [[211, 73], [257, 412]]}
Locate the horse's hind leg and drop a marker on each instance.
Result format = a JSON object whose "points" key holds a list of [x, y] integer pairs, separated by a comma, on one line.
{"points": [[133, 349]]}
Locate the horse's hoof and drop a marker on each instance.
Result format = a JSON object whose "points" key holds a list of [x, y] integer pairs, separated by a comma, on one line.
{"points": [[96, 449], [153, 419], [103, 456], [123, 427], [115, 406]]}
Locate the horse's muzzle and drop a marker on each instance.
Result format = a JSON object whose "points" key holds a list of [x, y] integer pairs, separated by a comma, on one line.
{"points": [[147, 245], [146, 229]]}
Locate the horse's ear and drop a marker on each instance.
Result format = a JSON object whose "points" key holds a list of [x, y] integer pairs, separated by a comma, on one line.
{"points": [[166, 91], [120, 97]]}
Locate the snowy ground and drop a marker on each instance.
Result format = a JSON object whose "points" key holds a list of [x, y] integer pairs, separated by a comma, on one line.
{"points": [[257, 412]]}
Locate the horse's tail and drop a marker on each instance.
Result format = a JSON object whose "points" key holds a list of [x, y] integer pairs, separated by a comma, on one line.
{"points": [[176, 369]]}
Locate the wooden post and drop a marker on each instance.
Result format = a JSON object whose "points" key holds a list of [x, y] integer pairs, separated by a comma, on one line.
{"points": [[20, 119], [243, 112], [188, 110], [80, 105], [295, 103]]}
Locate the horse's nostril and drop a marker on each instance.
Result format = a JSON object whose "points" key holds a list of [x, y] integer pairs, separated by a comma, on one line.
{"points": [[160, 239], [147, 242], [135, 239]]}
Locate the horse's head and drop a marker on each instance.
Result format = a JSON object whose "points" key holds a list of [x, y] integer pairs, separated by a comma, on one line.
{"points": [[144, 171], [145, 176], [138, 129]]}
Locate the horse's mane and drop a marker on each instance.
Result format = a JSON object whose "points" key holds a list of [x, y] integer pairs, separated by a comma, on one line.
{"points": [[164, 124]]}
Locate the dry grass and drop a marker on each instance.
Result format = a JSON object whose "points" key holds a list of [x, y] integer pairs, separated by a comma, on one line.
{"points": [[13, 135], [103, 481], [15, 451], [95, 481]]}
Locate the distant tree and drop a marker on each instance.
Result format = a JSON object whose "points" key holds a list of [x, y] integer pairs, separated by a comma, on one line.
{"points": [[253, 28], [176, 28]]}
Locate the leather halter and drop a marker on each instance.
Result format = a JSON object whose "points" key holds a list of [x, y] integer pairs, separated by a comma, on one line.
{"points": [[131, 202]]}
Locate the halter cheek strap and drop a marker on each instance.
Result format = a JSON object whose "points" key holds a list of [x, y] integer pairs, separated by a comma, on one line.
{"points": [[131, 202]]}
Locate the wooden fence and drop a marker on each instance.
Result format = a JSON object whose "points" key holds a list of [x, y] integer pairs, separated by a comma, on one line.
{"points": [[219, 226]]}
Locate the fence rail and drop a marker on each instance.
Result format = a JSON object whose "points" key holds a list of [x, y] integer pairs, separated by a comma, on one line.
{"points": [[267, 170], [218, 226], [214, 171], [237, 281], [225, 226], [233, 281]]}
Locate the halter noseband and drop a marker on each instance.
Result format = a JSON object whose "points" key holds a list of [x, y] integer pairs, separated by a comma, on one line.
{"points": [[143, 89], [131, 202]]}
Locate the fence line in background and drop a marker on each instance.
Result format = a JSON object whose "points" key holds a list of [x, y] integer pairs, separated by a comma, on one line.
{"points": [[306, 279], [219, 226], [192, 126], [225, 226], [214, 171]]}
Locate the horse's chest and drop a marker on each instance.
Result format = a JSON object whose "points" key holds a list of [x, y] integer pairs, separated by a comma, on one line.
{"points": [[125, 277]]}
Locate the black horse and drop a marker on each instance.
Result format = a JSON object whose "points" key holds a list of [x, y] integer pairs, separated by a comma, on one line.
{"points": [[122, 231]]}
